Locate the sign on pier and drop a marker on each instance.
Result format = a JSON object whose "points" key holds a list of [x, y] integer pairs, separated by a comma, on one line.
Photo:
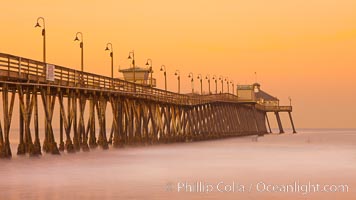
{"points": [[50, 72]]}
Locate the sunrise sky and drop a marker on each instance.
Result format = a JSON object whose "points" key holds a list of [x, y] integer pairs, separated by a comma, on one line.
{"points": [[303, 49]]}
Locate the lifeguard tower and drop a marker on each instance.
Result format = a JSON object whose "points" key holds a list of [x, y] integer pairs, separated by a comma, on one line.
{"points": [[142, 76]]}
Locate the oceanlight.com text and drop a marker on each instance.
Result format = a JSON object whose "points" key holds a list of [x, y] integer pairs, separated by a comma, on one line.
{"points": [[303, 188]]}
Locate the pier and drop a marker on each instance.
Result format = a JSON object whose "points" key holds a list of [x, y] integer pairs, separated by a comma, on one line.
{"points": [[140, 114]]}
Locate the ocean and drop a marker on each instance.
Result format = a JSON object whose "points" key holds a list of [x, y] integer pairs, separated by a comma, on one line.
{"points": [[313, 164]]}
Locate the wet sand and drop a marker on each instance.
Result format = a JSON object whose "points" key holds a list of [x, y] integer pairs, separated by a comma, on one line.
{"points": [[325, 157]]}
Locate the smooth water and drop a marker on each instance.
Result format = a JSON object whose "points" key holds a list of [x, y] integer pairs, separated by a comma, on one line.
{"points": [[187, 170]]}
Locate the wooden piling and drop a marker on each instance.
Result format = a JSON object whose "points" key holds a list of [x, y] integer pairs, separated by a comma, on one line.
{"points": [[291, 121], [37, 142], [21, 150], [48, 105], [279, 123], [76, 140], [82, 136], [269, 126], [5, 151], [92, 137]]}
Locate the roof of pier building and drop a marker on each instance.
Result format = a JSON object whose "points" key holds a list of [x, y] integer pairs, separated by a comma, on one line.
{"points": [[255, 92], [265, 96], [137, 69], [260, 94]]}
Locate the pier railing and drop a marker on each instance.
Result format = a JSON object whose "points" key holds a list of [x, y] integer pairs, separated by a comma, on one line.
{"points": [[14, 68], [274, 108]]}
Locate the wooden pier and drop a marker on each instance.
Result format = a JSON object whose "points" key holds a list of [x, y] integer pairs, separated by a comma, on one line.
{"points": [[140, 114]]}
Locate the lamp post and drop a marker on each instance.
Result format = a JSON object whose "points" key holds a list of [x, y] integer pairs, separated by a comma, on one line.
{"points": [[290, 101], [81, 47], [191, 75], [163, 69], [201, 83], [149, 63], [82, 54], [222, 83], [133, 64], [178, 76], [216, 84], [237, 90], [208, 78], [255, 77], [112, 61], [43, 35], [228, 84], [233, 87]]}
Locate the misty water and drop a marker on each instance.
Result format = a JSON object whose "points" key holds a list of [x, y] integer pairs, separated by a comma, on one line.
{"points": [[160, 171]]}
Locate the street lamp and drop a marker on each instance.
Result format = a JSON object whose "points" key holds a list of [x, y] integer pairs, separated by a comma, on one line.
{"points": [[208, 78], [255, 77], [43, 34], [112, 61], [216, 84], [228, 84], [191, 75], [149, 63], [178, 76], [81, 47], [290, 101], [222, 83], [133, 64], [233, 87], [201, 83], [163, 69]]}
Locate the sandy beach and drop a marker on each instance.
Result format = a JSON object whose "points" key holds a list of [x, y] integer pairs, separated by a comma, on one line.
{"points": [[235, 168]]}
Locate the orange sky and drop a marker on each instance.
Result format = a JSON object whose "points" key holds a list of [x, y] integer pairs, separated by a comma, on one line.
{"points": [[302, 49]]}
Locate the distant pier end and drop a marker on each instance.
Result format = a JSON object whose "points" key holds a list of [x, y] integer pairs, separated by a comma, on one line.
{"points": [[264, 102]]}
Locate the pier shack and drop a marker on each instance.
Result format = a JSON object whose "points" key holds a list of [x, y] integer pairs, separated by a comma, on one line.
{"points": [[266, 102]]}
